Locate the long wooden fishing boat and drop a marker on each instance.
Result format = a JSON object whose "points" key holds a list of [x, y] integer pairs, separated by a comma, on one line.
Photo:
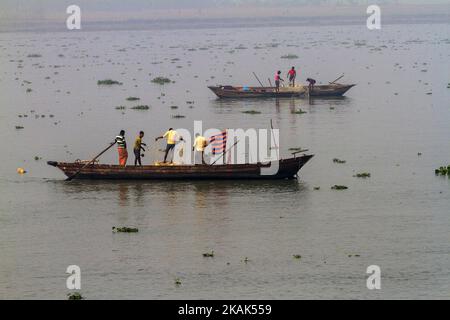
{"points": [[287, 168], [328, 90]]}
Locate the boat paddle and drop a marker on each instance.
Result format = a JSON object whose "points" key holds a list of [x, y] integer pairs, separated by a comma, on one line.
{"points": [[76, 173], [258, 79], [224, 152], [332, 82]]}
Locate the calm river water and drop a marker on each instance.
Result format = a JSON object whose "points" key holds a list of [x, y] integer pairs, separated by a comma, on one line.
{"points": [[394, 124]]}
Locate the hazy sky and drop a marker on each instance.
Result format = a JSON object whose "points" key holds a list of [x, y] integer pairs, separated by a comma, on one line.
{"points": [[98, 10]]}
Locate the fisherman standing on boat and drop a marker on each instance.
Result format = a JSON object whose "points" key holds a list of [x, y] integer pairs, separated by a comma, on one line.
{"points": [[199, 146], [122, 148], [291, 75], [171, 136], [311, 82], [277, 81], [138, 147]]}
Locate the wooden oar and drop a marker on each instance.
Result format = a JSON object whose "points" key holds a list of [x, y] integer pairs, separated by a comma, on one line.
{"points": [[258, 79], [76, 173], [332, 82], [273, 135], [225, 152]]}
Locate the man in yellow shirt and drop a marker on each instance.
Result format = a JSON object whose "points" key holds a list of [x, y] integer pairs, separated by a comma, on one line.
{"points": [[199, 146], [171, 136], [137, 148]]}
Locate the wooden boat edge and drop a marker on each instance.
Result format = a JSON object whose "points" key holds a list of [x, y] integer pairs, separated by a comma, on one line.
{"points": [[288, 168]]}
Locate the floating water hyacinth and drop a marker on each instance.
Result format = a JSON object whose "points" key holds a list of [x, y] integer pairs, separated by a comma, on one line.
{"points": [[124, 229], [443, 171], [208, 254], [161, 80], [141, 107], [108, 82], [289, 56], [336, 160], [75, 296], [362, 175], [251, 112], [339, 187]]}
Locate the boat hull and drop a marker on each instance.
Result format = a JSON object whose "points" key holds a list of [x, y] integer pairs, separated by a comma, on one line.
{"points": [[334, 90], [287, 168]]}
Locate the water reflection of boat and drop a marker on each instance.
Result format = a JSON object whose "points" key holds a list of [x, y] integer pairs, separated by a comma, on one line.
{"points": [[286, 168], [329, 90]]}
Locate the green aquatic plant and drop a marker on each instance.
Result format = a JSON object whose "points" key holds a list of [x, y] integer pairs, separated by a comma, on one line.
{"points": [[141, 107], [125, 229], [161, 80], [299, 111], [209, 254], [297, 256], [121, 108], [251, 112], [339, 187], [177, 282], [316, 188], [133, 98], [362, 175], [34, 55], [75, 296], [108, 82], [19, 127], [443, 171], [336, 160], [289, 56], [37, 158], [178, 116]]}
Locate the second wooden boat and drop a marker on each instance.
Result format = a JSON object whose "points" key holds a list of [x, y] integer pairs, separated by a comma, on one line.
{"points": [[329, 90]]}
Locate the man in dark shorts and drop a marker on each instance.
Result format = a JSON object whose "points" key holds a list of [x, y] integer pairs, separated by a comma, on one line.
{"points": [[138, 147], [292, 74], [311, 82], [171, 137], [277, 81]]}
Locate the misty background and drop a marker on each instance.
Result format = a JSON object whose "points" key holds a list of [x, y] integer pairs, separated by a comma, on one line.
{"points": [[36, 15]]}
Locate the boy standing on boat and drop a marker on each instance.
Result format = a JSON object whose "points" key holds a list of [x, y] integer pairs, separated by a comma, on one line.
{"points": [[277, 81], [199, 146], [138, 146], [171, 136], [291, 75], [311, 83], [122, 148]]}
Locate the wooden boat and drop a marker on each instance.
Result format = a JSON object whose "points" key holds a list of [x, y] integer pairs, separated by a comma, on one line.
{"points": [[329, 90], [288, 169]]}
